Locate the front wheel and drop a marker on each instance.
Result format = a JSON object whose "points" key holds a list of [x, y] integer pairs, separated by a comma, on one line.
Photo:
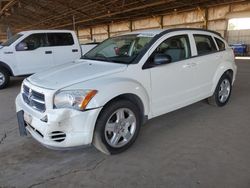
{"points": [[117, 127], [222, 92], [4, 78]]}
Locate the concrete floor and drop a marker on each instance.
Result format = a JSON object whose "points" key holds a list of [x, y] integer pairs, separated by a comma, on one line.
{"points": [[197, 146]]}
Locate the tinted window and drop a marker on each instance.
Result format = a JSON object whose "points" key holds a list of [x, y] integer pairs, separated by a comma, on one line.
{"points": [[204, 44], [32, 42], [176, 47], [220, 44], [60, 39]]}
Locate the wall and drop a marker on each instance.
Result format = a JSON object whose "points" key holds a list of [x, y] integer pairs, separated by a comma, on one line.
{"points": [[2, 34], [214, 18], [239, 36]]}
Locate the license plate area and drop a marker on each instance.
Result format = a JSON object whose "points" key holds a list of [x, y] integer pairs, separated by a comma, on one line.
{"points": [[27, 118], [21, 123]]}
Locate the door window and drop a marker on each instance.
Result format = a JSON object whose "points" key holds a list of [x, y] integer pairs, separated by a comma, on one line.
{"points": [[60, 39], [204, 44], [32, 42], [177, 48], [220, 44]]}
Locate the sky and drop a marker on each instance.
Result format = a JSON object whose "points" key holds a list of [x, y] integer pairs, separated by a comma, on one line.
{"points": [[239, 23]]}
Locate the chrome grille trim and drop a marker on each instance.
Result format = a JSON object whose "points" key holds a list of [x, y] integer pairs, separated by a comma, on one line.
{"points": [[34, 99]]}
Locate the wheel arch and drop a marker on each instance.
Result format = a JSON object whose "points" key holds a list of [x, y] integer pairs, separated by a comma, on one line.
{"points": [[125, 96], [134, 99], [228, 71], [6, 67]]}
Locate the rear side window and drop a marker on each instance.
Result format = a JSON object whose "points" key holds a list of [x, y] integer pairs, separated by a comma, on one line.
{"points": [[220, 44], [205, 44], [60, 39]]}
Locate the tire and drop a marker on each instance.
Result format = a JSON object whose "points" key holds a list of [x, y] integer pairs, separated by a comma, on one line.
{"points": [[222, 92], [117, 127], [4, 78]]}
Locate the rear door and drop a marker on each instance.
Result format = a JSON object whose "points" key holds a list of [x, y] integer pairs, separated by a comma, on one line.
{"points": [[64, 47], [207, 60]]}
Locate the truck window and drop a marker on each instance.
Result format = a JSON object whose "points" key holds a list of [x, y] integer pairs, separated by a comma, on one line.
{"points": [[204, 44], [32, 42], [60, 39]]}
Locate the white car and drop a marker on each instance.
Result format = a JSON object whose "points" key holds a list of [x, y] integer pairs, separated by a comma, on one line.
{"points": [[105, 97]]}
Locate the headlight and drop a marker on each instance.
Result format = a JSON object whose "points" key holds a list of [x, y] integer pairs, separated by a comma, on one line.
{"points": [[76, 99]]}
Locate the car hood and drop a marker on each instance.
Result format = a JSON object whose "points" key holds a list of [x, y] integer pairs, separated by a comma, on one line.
{"points": [[80, 71]]}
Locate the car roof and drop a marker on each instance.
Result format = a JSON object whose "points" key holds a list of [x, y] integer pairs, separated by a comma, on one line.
{"points": [[153, 32]]}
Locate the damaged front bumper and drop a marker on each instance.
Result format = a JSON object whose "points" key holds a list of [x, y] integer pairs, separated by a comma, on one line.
{"points": [[57, 128]]}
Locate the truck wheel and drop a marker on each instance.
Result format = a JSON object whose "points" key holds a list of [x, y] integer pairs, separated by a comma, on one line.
{"points": [[117, 127], [222, 92], [4, 78]]}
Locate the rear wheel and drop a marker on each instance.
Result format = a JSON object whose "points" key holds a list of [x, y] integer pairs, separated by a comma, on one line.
{"points": [[4, 78], [222, 92], [117, 127]]}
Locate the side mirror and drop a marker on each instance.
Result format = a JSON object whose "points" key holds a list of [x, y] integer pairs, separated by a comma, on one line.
{"points": [[162, 59], [22, 46]]}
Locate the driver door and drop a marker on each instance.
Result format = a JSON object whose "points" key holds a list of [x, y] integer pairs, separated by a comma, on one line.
{"points": [[33, 54], [172, 84]]}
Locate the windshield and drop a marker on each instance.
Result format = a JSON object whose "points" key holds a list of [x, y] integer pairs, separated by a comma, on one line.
{"points": [[11, 40], [121, 49]]}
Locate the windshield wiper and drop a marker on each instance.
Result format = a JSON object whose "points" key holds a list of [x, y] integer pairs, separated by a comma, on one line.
{"points": [[103, 58], [98, 58], [85, 57]]}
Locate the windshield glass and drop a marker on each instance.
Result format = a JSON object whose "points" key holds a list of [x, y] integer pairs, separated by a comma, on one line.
{"points": [[121, 49], [11, 40]]}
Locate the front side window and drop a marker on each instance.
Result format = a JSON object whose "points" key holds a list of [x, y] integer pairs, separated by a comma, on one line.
{"points": [[204, 44], [220, 44], [60, 39], [32, 42], [177, 47], [121, 49]]}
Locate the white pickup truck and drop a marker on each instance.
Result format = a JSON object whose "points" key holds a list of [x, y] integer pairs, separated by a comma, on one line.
{"points": [[33, 51]]}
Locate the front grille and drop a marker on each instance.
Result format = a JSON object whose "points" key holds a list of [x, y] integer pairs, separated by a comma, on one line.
{"points": [[34, 99]]}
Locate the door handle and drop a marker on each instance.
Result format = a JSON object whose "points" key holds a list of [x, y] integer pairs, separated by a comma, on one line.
{"points": [[48, 52], [74, 50]]}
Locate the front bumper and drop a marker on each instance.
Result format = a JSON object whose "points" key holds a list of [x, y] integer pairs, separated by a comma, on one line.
{"points": [[57, 128]]}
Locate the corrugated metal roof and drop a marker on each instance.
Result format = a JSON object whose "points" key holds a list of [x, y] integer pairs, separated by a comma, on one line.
{"points": [[51, 14]]}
